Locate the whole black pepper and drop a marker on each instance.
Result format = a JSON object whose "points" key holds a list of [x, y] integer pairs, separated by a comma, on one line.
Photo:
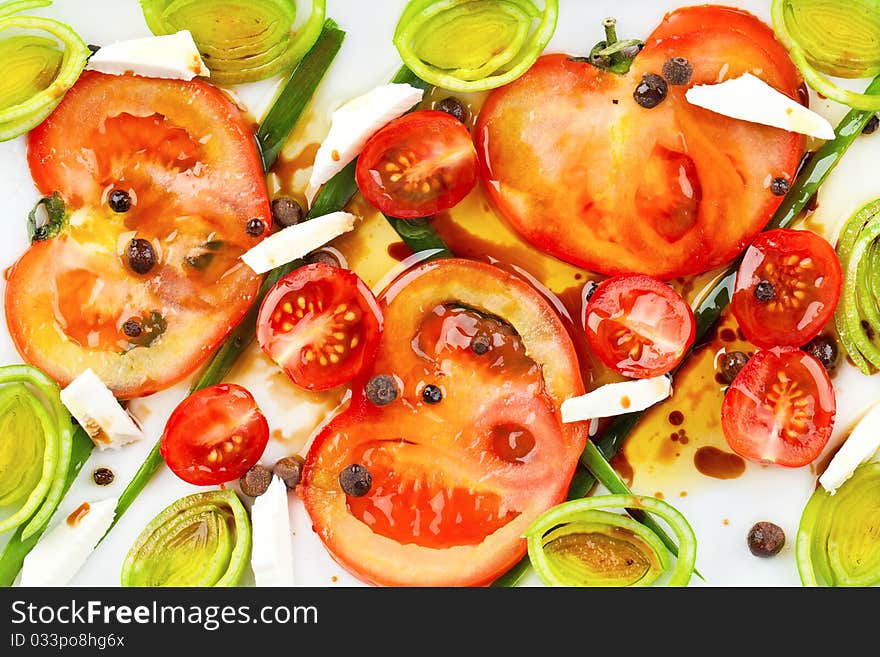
{"points": [[381, 390], [132, 328], [255, 227], [872, 125], [119, 201], [432, 394], [355, 480], [322, 256], [286, 212], [141, 257], [730, 365], [454, 107], [780, 186], [678, 71], [480, 344], [255, 481], [651, 91], [289, 470], [103, 476], [765, 292], [766, 539], [824, 349]]}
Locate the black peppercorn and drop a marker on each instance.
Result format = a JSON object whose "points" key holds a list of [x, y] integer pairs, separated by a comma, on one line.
{"points": [[119, 201], [255, 481], [132, 328], [780, 186], [381, 390], [103, 476], [432, 394], [289, 470], [678, 71], [322, 256], [871, 126], [823, 349], [355, 480], [765, 292], [730, 365], [454, 107], [651, 91], [481, 343], [766, 539], [286, 212], [141, 257], [255, 227]]}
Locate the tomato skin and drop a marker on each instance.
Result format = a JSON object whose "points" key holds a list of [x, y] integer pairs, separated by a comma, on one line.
{"points": [[580, 170], [419, 164], [324, 348], [805, 292], [780, 408], [199, 442], [639, 326]]}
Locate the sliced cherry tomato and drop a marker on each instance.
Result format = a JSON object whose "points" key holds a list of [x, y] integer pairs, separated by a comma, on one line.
{"points": [[787, 288], [215, 435], [471, 450], [321, 324], [578, 168], [638, 326], [418, 165], [780, 408], [185, 157]]}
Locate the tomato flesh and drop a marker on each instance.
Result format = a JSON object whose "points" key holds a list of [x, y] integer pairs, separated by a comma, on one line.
{"points": [[638, 326], [215, 435], [417, 165], [454, 482], [780, 408], [804, 278], [321, 324]]}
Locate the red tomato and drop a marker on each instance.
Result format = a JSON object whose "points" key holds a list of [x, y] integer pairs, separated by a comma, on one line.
{"points": [[321, 324], [459, 470], [418, 165], [187, 160], [780, 408], [787, 288], [638, 326], [215, 435], [578, 168]]}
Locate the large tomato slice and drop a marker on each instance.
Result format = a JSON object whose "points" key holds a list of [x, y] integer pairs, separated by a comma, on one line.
{"points": [[470, 452], [187, 160], [577, 167]]}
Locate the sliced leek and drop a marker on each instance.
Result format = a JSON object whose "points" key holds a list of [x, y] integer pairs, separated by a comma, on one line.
{"points": [[473, 45], [200, 540], [578, 543], [830, 37], [42, 59], [838, 540], [240, 40]]}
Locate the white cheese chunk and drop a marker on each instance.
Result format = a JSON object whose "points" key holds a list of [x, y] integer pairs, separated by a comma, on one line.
{"points": [[297, 241], [617, 399], [751, 99], [62, 550], [97, 411], [860, 446], [272, 551], [169, 56], [353, 124]]}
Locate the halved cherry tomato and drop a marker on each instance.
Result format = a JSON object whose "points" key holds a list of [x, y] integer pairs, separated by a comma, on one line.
{"points": [[638, 326], [578, 168], [473, 448], [780, 408], [321, 324], [215, 435], [787, 288], [418, 165], [186, 158]]}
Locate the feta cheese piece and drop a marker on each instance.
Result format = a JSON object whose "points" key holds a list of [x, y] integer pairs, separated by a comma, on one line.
{"points": [[751, 99], [297, 241], [168, 56], [862, 444], [97, 411], [272, 550], [63, 550], [617, 399], [353, 124]]}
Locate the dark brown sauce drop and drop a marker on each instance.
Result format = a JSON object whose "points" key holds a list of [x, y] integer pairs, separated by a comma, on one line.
{"points": [[399, 251], [718, 464], [623, 467], [676, 418], [78, 514]]}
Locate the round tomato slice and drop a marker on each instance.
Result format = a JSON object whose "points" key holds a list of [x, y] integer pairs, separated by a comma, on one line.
{"points": [[638, 326], [787, 288], [321, 324], [578, 168], [186, 161], [780, 408], [215, 435], [470, 451], [418, 165]]}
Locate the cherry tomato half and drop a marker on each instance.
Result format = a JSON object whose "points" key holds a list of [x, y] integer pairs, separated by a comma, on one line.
{"points": [[418, 165], [321, 324], [787, 288], [780, 408], [215, 435], [638, 326]]}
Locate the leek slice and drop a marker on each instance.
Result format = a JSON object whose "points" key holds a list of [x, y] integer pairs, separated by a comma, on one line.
{"points": [[240, 40], [579, 544], [200, 540], [838, 540], [473, 45], [830, 37], [43, 58]]}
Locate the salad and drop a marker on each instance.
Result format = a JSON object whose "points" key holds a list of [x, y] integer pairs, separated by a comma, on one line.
{"points": [[467, 293]]}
